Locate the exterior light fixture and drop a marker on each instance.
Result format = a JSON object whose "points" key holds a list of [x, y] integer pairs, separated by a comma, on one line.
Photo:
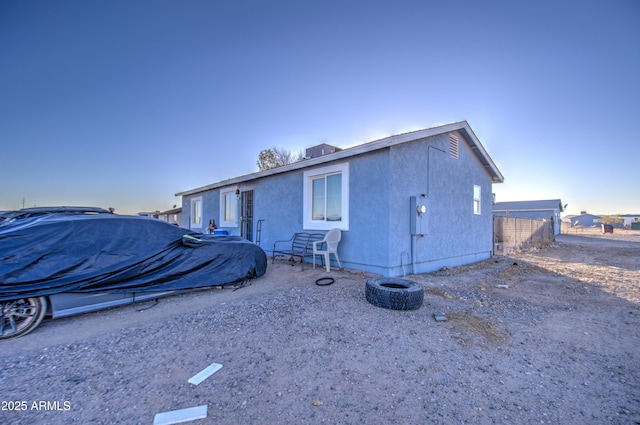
{"points": [[237, 193]]}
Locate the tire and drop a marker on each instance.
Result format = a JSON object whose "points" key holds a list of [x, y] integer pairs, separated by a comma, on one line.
{"points": [[21, 316], [394, 293]]}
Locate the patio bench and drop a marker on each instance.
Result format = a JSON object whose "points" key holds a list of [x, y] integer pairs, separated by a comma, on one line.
{"points": [[299, 245]]}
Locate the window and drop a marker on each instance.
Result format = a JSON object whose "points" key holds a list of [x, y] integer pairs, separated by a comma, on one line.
{"points": [[196, 212], [326, 198], [476, 199], [228, 208]]}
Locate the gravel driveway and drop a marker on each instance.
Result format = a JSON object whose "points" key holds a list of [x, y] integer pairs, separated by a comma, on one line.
{"points": [[544, 337]]}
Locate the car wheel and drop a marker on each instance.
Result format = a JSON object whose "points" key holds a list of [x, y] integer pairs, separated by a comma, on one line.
{"points": [[394, 293], [21, 316]]}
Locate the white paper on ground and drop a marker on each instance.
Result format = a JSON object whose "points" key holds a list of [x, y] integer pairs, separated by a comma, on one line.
{"points": [[179, 416], [205, 373]]}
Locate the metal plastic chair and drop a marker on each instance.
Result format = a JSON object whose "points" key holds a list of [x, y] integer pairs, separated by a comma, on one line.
{"points": [[331, 240]]}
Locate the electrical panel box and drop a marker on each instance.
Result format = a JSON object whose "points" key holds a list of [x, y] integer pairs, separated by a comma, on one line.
{"points": [[418, 215]]}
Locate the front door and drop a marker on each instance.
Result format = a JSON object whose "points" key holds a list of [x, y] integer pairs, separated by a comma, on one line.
{"points": [[246, 215]]}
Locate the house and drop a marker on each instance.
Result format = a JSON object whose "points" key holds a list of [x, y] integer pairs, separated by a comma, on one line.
{"points": [[319, 150], [412, 202], [546, 209], [152, 214], [172, 216], [583, 220], [631, 221]]}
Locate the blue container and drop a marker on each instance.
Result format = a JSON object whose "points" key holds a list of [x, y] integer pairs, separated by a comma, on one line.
{"points": [[220, 232]]}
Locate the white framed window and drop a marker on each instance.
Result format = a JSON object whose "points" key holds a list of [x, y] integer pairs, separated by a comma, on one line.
{"points": [[477, 196], [326, 198], [196, 212], [228, 208]]}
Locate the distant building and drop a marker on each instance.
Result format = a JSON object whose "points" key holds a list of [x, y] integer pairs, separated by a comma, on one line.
{"points": [[584, 220], [152, 214], [320, 150], [547, 209], [629, 219], [172, 216]]}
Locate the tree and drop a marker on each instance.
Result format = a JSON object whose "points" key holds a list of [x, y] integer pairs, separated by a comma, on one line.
{"points": [[611, 219], [266, 160], [276, 157]]}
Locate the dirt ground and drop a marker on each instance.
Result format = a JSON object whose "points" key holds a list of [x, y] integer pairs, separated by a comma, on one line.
{"points": [[544, 337]]}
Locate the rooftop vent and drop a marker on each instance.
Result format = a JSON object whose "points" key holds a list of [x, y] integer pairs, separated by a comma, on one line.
{"points": [[453, 145]]}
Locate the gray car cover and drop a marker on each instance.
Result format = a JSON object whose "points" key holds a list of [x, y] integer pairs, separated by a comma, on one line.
{"points": [[44, 254]]}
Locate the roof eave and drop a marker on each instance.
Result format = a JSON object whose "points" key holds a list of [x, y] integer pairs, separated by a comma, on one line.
{"points": [[463, 126], [476, 146]]}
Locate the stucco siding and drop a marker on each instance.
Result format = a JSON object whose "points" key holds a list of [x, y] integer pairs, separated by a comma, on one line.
{"points": [[278, 201], [366, 243], [452, 233]]}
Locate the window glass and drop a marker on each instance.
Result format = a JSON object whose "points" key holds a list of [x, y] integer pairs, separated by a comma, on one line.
{"points": [[326, 197], [229, 207], [476, 199], [334, 197], [317, 199], [196, 212]]}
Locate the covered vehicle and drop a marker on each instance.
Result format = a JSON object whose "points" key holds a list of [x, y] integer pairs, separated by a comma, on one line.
{"points": [[58, 260]]}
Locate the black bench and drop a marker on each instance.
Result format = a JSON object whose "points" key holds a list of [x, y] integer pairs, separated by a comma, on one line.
{"points": [[299, 245]]}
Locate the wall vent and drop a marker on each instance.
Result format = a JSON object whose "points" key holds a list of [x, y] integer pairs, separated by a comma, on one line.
{"points": [[453, 145]]}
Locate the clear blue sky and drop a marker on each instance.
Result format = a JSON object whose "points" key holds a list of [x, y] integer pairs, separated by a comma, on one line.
{"points": [[124, 103]]}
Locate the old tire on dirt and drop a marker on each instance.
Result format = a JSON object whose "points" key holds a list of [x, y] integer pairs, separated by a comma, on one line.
{"points": [[394, 293]]}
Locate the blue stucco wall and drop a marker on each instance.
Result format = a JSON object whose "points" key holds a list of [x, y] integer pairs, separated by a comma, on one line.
{"points": [[381, 183], [366, 244], [453, 234]]}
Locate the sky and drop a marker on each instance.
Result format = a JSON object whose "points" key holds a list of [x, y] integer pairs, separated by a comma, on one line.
{"points": [[124, 103]]}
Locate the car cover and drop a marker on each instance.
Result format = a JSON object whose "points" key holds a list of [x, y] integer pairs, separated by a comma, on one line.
{"points": [[61, 252]]}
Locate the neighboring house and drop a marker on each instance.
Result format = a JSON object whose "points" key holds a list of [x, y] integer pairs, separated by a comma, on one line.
{"points": [[547, 209], [320, 150], [152, 214], [172, 216], [413, 202], [630, 219], [584, 220]]}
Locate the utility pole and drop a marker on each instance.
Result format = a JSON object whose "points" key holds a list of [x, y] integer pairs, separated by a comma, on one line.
{"points": [[23, 201]]}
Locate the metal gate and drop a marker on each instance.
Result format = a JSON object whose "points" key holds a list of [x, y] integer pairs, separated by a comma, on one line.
{"points": [[246, 217]]}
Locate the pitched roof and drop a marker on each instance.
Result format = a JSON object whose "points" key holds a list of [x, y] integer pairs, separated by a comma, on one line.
{"points": [[571, 217], [172, 211], [462, 126], [544, 205]]}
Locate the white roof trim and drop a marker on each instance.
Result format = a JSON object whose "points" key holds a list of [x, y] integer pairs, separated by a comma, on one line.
{"points": [[461, 126]]}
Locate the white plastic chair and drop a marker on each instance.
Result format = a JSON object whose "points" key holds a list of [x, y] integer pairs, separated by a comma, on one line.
{"points": [[331, 239]]}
